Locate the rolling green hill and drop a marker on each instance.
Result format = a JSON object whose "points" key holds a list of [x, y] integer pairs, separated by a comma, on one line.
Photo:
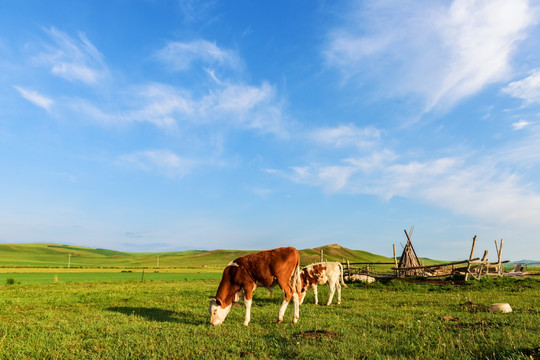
{"points": [[55, 255]]}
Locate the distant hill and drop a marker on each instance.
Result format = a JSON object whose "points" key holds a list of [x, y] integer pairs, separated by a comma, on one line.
{"points": [[42, 254], [528, 262]]}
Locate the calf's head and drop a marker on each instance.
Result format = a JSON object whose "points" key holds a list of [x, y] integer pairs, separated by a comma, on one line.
{"points": [[218, 313], [304, 286]]}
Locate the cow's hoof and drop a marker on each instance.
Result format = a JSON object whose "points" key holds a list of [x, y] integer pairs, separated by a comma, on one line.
{"points": [[294, 320], [279, 321]]}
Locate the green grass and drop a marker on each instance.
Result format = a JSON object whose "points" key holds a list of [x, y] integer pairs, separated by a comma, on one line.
{"points": [[55, 255], [88, 277], [169, 320]]}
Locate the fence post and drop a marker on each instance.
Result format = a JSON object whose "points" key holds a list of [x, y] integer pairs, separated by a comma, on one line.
{"points": [[470, 258], [396, 273]]}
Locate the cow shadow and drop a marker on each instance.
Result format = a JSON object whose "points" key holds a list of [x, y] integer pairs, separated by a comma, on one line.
{"points": [[160, 315]]}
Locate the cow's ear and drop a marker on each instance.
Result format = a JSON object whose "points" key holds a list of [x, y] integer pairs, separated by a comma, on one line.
{"points": [[218, 302]]}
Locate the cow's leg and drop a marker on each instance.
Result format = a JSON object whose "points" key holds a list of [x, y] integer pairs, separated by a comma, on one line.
{"points": [[332, 287], [282, 311], [248, 298], [315, 293], [287, 295]]}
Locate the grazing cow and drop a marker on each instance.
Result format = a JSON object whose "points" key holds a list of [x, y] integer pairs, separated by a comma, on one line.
{"points": [[265, 268], [319, 274]]}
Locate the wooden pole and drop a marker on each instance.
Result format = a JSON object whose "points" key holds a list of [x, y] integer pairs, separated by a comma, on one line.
{"points": [[349, 269], [322, 255], [470, 258], [437, 265], [482, 264], [499, 257], [497, 252], [396, 272]]}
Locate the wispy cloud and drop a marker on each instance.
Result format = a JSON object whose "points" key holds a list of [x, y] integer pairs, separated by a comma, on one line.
{"points": [[521, 124], [228, 105], [440, 53], [35, 98], [73, 59], [161, 162], [527, 89], [181, 56], [480, 190], [346, 136]]}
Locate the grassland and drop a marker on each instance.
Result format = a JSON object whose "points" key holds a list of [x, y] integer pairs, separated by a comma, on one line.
{"points": [[168, 319], [55, 255]]}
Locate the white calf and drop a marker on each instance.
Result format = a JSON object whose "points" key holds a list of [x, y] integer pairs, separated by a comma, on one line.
{"points": [[319, 274]]}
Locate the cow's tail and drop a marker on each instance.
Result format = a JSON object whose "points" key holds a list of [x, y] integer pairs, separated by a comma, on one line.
{"points": [[296, 284], [341, 275]]}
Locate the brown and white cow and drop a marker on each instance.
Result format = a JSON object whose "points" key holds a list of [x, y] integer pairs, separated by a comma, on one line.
{"points": [[319, 274], [264, 268]]}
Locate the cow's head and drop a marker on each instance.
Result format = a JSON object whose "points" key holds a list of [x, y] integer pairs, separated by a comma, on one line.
{"points": [[218, 313]]}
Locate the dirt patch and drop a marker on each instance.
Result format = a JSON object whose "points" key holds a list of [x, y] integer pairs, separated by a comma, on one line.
{"points": [[245, 353], [316, 334], [450, 318], [472, 307], [533, 353]]}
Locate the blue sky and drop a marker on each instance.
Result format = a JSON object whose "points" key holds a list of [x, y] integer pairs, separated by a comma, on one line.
{"points": [[172, 125]]}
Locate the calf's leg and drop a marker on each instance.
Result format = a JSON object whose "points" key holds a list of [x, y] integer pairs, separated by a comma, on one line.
{"points": [[315, 294], [296, 303], [332, 291]]}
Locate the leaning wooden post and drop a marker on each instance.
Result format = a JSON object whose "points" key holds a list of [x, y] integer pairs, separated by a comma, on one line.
{"points": [[349, 269], [470, 258], [499, 255], [395, 262], [482, 264], [497, 252]]}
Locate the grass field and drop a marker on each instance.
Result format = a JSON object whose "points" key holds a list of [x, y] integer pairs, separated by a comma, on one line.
{"points": [[55, 255], [168, 319], [44, 277]]}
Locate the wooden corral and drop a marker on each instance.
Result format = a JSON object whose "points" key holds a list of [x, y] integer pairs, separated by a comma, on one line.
{"points": [[409, 265], [473, 267], [376, 270]]}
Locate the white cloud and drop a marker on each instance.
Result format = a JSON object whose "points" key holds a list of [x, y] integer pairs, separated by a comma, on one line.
{"points": [[527, 89], [521, 124], [440, 53], [233, 105], [346, 136], [158, 161], [180, 56], [73, 59], [480, 191], [35, 98]]}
